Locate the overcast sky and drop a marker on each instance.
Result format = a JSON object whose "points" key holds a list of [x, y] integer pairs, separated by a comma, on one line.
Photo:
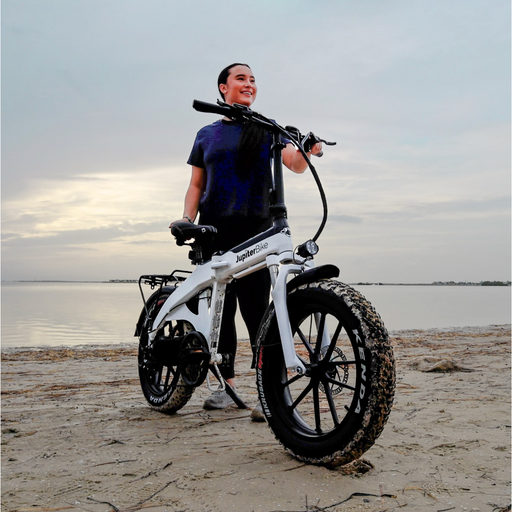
{"points": [[97, 127]]}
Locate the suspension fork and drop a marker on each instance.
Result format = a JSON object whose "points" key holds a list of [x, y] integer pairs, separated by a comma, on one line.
{"points": [[279, 296]]}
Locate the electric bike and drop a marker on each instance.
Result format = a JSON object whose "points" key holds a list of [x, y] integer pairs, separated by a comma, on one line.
{"points": [[325, 371]]}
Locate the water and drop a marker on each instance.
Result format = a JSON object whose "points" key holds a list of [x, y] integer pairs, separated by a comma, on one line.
{"points": [[35, 314], [430, 307], [54, 314]]}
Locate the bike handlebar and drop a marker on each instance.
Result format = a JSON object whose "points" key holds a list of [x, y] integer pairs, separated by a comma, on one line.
{"points": [[303, 143], [237, 111], [202, 106]]}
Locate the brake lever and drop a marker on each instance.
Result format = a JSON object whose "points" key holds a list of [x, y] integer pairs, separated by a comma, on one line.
{"points": [[311, 139]]}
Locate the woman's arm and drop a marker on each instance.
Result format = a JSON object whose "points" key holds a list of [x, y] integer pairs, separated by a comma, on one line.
{"points": [[294, 160], [194, 193]]}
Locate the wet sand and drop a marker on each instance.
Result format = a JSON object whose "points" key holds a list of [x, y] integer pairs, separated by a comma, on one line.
{"points": [[77, 435]]}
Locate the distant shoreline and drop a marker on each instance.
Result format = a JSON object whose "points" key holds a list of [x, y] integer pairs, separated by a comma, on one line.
{"points": [[132, 281]]}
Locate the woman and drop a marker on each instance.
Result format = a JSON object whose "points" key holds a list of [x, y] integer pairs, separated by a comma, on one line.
{"points": [[230, 189]]}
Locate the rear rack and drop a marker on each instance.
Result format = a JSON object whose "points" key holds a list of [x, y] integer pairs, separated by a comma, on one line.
{"points": [[161, 280]]}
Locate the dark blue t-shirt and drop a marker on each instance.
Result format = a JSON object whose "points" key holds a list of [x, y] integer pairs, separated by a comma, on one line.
{"points": [[229, 194]]}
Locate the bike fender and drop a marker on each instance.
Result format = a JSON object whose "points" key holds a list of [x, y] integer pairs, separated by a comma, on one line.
{"points": [[313, 274], [154, 296]]}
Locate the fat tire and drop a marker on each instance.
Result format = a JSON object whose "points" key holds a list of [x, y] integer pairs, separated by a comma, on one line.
{"points": [[176, 394], [371, 376]]}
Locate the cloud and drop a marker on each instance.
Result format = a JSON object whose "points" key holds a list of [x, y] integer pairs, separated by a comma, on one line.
{"points": [[122, 232], [97, 123]]}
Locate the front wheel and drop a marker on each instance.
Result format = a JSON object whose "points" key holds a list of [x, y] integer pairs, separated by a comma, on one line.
{"points": [[335, 411]]}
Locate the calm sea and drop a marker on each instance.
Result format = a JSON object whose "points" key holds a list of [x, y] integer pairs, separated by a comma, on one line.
{"points": [[42, 314]]}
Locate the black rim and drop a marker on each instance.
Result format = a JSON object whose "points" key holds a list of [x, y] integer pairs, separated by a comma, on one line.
{"points": [[319, 402], [158, 378]]}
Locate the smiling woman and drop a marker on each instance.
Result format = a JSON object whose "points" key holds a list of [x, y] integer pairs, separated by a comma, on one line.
{"points": [[237, 84], [230, 188]]}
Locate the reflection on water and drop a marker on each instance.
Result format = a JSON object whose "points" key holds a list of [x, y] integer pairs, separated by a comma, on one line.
{"points": [[68, 313], [430, 307], [36, 314]]}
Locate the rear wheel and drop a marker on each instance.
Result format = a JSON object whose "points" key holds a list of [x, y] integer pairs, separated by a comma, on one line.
{"points": [[335, 411], [160, 380]]}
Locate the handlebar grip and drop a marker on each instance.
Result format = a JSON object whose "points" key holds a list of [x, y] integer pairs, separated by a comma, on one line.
{"points": [[211, 108]]}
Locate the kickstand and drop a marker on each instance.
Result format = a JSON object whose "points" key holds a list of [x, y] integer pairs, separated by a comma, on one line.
{"points": [[238, 401], [229, 389]]}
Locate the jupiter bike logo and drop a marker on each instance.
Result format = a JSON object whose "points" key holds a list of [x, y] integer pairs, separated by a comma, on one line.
{"points": [[362, 391], [251, 252]]}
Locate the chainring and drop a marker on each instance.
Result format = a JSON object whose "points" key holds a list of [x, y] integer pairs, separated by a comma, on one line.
{"points": [[194, 359]]}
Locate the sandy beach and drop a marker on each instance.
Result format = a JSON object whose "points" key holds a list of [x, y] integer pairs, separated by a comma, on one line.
{"points": [[77, 435]]}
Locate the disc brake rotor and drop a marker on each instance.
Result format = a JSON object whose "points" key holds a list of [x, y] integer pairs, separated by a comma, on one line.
{"points": [[339, 372]]}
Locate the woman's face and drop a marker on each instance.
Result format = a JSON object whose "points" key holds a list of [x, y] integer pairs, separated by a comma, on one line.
{"points": [[240, 87]]}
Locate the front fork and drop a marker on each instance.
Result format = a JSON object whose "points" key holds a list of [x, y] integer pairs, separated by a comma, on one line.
{"points": [[279, 277]]}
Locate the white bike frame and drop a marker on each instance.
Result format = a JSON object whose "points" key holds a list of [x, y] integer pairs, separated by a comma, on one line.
{"points": [[208, 283], [272, 249]]}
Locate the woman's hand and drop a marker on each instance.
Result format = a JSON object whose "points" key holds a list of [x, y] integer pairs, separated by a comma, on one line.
{"points": [[185, 218], [316, 149]]}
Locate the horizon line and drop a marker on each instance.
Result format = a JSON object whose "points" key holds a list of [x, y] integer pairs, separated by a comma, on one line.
{"points": [[358, 283]]}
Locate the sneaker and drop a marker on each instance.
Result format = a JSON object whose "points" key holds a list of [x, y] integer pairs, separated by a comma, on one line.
{"points": [[218, 400], [257, 414]]}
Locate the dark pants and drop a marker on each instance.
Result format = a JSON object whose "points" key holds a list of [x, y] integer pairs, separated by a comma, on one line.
{"points": [[251, 291]]}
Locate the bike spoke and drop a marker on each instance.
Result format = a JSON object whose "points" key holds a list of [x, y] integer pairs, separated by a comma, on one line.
{"points": [[167, 377], [332, 405], [334, 339], [338, 383], [316, 403], [320, 333], [304, 340], [301, 397], [292, 380]]}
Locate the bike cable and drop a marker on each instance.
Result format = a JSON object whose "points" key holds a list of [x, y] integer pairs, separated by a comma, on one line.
{"points": [[311, 167]]}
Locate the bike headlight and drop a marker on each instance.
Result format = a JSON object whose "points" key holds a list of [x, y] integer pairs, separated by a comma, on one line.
{"points": [[307, 249], [311, 247]]}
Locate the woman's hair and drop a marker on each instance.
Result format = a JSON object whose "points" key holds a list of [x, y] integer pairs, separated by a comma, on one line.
{"points": [[253, 135]]}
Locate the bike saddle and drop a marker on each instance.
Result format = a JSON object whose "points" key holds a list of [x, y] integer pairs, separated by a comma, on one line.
{"points": [[184, 230]]}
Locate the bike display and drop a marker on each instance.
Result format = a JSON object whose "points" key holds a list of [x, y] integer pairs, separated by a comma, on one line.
{"points": [[325, 369]]}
